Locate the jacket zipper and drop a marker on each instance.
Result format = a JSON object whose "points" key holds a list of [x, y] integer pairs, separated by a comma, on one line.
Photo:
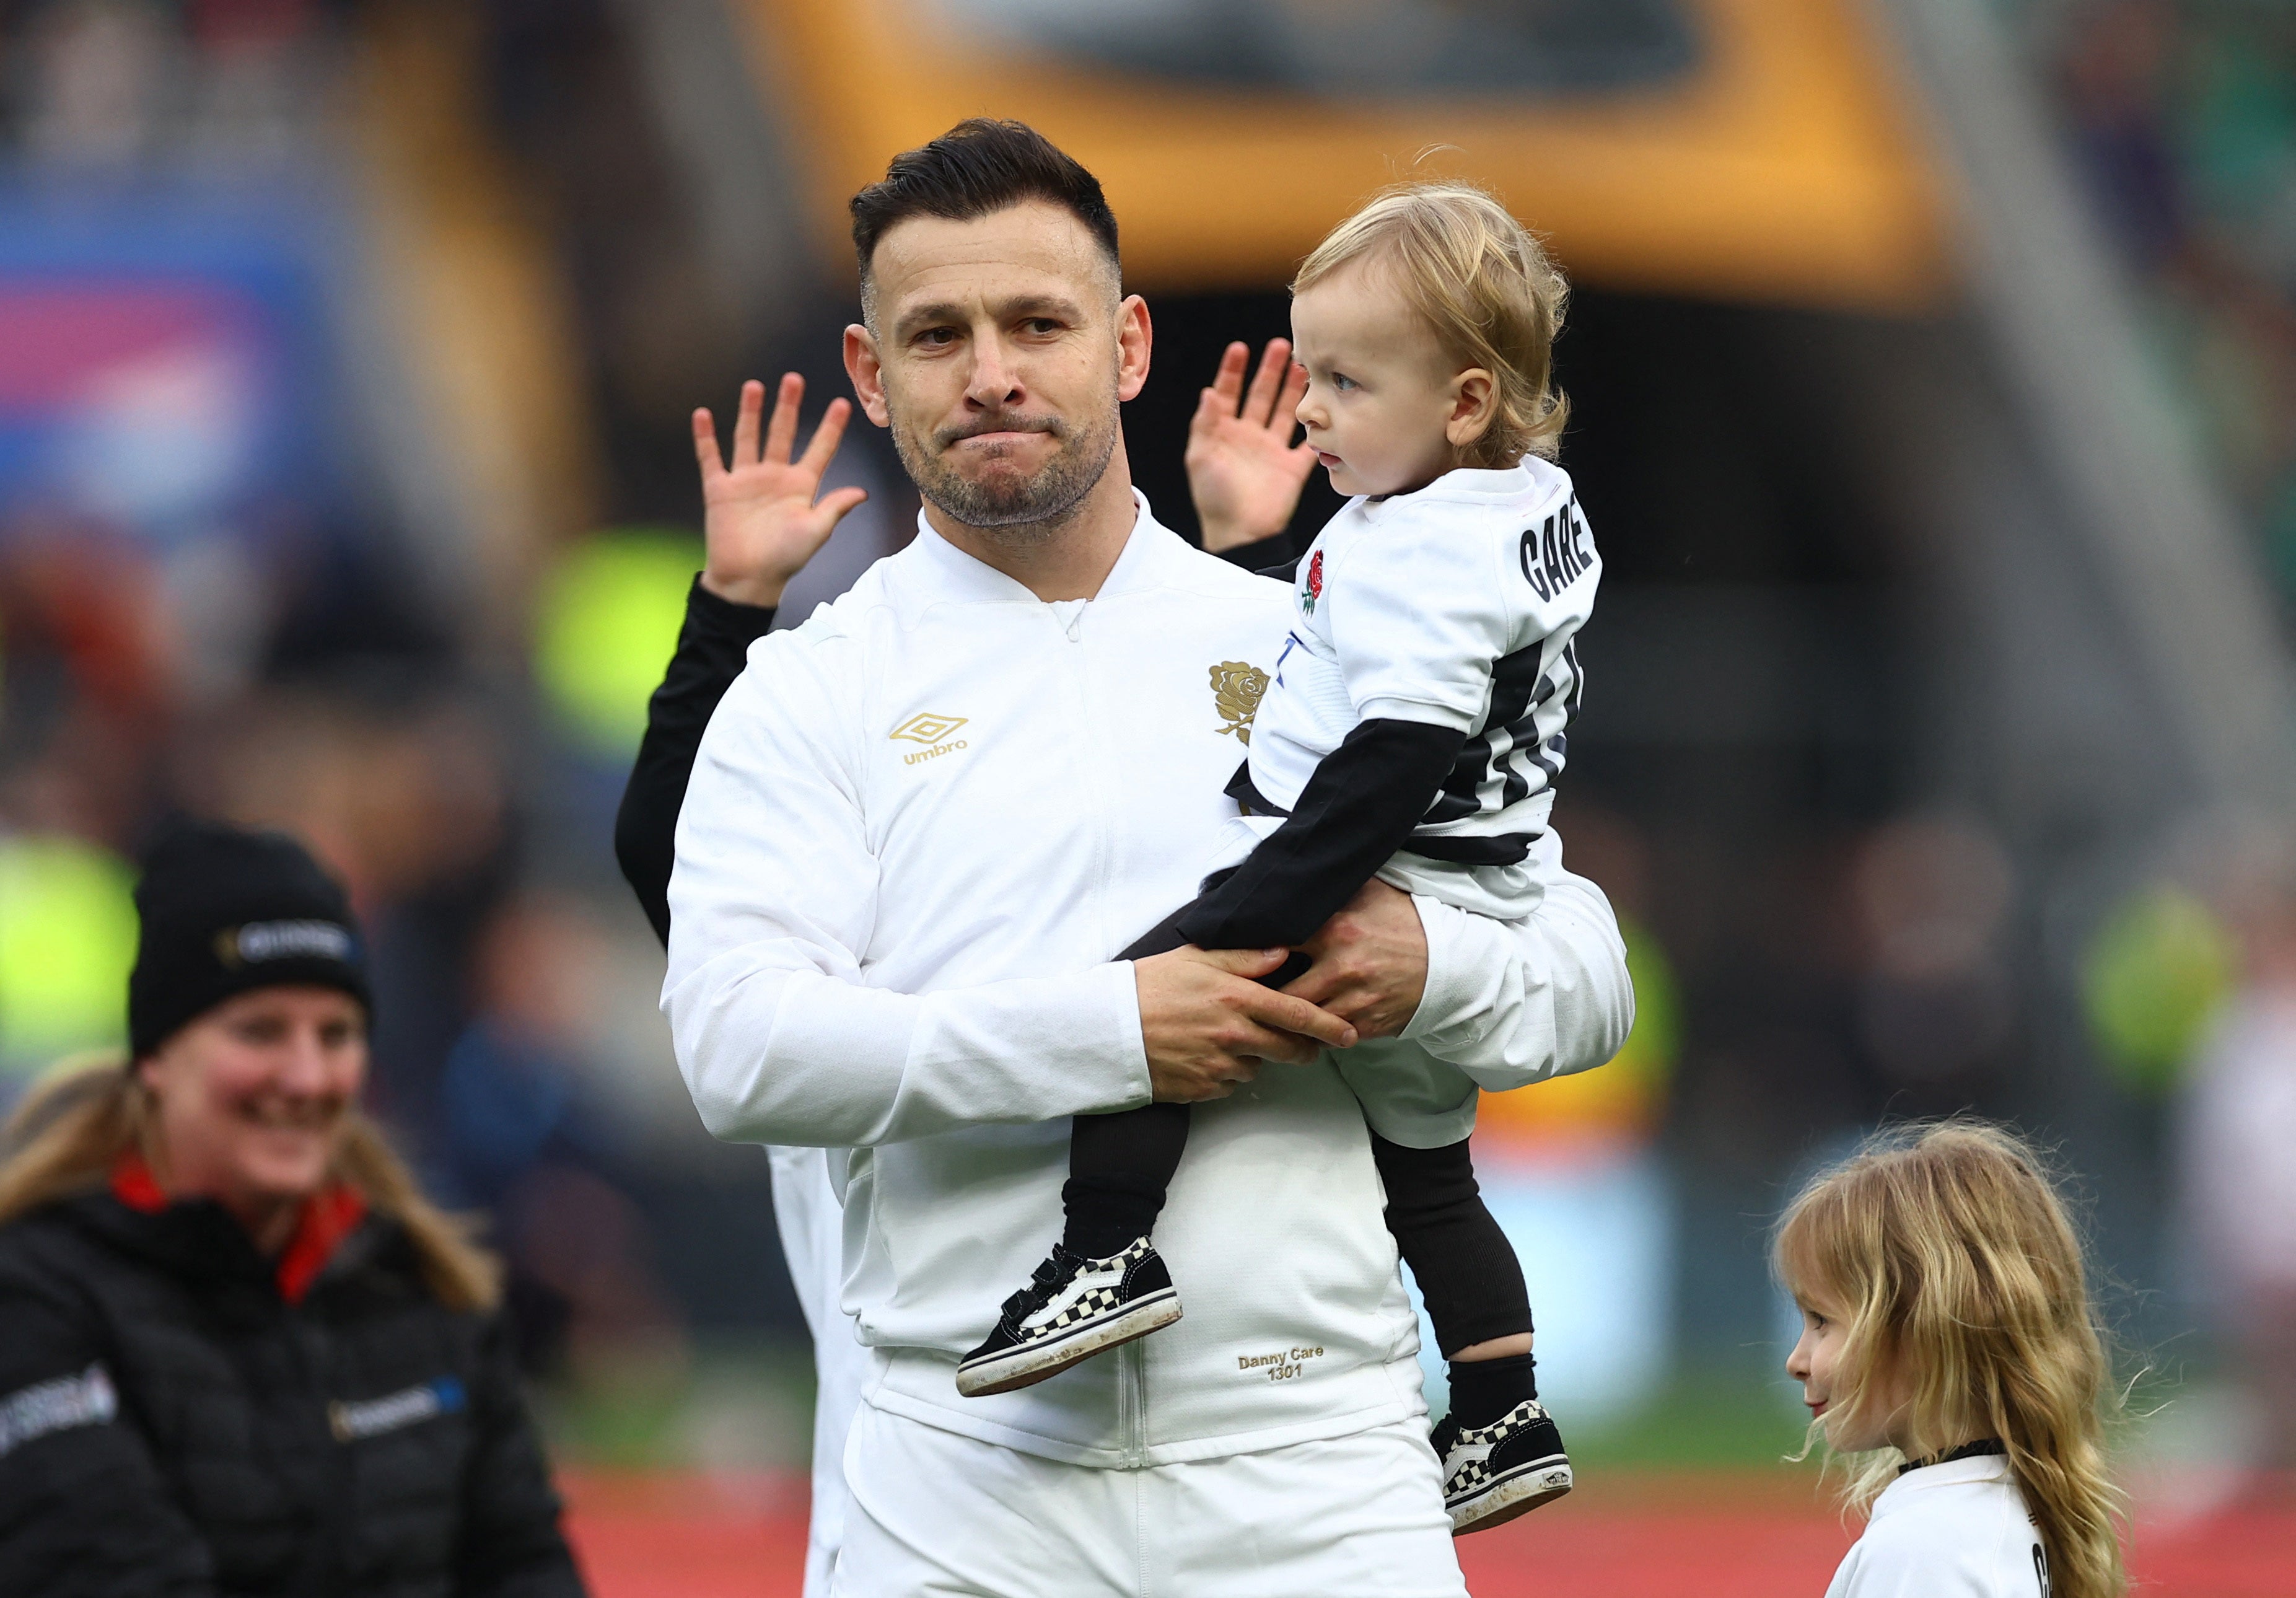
{"points": [[1132, 1402], [1098, 801], [1132, 1360]]}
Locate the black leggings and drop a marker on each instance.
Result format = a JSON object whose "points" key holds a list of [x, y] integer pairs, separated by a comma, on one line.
{"points": [[1121, 1164]]}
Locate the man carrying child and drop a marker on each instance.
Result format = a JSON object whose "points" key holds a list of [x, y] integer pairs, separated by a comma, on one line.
{"points": [[919, 827]]}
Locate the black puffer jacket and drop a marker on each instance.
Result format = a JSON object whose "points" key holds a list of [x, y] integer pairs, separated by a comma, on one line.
{"points": [[171, 1423]]}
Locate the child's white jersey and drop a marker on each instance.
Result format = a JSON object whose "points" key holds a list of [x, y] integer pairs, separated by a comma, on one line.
{"points": [[1457, 606], [1957, 1529]]}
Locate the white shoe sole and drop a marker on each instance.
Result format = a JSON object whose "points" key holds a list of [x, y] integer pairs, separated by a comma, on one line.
{"points": [[1026, 1367], [1518, 1493]]}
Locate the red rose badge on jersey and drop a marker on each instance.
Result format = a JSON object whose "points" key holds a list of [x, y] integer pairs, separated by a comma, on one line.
{"points": [[1313, 590]]}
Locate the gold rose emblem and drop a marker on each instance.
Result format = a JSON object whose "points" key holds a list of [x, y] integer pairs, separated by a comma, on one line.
{"points": [[1237, 686]]}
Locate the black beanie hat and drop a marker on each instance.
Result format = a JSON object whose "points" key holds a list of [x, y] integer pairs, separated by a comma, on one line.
{"points": [[223, 910]]}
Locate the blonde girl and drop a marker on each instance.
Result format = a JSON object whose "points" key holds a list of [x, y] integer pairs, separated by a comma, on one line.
{"points": [[1949, 1338]]}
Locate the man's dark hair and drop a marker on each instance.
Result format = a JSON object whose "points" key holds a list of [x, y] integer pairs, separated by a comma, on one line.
{"points": [[978, 167]]}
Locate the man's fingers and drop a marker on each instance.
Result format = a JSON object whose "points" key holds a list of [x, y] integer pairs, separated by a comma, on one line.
{"points": [[1234, 1067], [1227, 382], [705, 445], [745, 423], [781, 433], [1267, 1043], [1320, 983], [1211, 408], [1288, 1012], [1274, 365], [835, 504], [1286, 415], [1238, 1060], [1241, 962], [819, 452]]}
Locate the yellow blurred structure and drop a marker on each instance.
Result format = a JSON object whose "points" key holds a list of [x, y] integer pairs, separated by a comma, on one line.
{"points": [[605, 622], [1616, 1104], [2154, 978], [66, 942], [476, 308], [1779, 168]]}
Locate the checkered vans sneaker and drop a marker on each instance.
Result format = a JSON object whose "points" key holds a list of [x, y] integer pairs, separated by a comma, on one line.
{"points": [[1073, 1309], [1493, 1474]]}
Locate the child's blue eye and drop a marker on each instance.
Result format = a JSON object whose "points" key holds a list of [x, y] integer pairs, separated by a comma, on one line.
{"points": [[1342, 382]]}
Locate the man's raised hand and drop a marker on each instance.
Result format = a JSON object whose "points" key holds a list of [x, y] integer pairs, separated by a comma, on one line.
{"points": [[760, 521], [1206, 1024], [1245, 473]]}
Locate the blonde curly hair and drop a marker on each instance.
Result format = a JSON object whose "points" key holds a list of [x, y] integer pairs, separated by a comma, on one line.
{"points": [[1963, 1280], [1484, 284]]}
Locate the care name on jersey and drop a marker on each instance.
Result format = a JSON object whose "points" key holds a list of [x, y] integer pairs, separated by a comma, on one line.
{"points": [[1551, 553]]}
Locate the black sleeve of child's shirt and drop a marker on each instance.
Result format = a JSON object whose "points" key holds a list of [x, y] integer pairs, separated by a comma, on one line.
{"points": [[1359, 808], [712, 647]]}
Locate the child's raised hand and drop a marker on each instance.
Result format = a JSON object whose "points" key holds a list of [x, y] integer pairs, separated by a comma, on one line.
{"points": [[1245, 473], [760, 522]]}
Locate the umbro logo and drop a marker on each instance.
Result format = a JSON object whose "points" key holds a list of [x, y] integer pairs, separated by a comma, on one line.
{"points": [[928, 728], [932, 730]]}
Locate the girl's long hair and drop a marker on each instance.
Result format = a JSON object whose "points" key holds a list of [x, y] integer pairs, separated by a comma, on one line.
{"points": [[1961, 1274], [69, 1133]]}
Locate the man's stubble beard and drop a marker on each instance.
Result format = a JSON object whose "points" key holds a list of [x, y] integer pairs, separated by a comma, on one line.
{"points": [[1027, 512]]}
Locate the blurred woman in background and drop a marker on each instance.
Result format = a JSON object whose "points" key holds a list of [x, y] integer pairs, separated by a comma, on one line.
{"points": [[240, 1352]]}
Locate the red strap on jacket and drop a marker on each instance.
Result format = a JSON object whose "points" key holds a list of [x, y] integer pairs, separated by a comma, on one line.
{"points": [[327, 1218]]}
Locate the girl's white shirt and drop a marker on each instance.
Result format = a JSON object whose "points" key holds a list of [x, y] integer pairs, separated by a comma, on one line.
{"points": [[1958, 1529]]}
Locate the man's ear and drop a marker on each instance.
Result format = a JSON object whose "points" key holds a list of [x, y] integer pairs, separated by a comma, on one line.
{"points": [[868, 376], [1134, 335], [1474, 403]]}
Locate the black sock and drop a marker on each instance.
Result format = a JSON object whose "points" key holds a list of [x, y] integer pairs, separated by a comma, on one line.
{"points": [[1119, 1167], [1465, 1267], [1484, 1389], [1104, 1220]]}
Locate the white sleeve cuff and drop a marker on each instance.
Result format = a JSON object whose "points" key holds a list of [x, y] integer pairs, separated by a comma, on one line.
{"points": [[1128, 1062]]}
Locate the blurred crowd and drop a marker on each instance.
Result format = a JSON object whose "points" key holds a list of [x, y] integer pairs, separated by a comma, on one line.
{"points": [[205, 605], [105, 86], [2182, 115]]}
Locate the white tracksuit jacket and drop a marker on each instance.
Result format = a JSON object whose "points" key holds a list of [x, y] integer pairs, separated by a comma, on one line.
{"points": [[919, 825]]}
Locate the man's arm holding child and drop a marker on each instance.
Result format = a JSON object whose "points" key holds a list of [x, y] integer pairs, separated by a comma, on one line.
{"points": [[1514, 1002], [774, 899], [1509, 1003]]}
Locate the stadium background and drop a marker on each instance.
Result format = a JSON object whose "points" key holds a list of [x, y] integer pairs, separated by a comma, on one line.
{"points": [[1934, 373]]}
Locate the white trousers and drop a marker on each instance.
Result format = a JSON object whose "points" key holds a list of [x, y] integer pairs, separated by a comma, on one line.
{"points": [[811, 1221], [930, 1514]]}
